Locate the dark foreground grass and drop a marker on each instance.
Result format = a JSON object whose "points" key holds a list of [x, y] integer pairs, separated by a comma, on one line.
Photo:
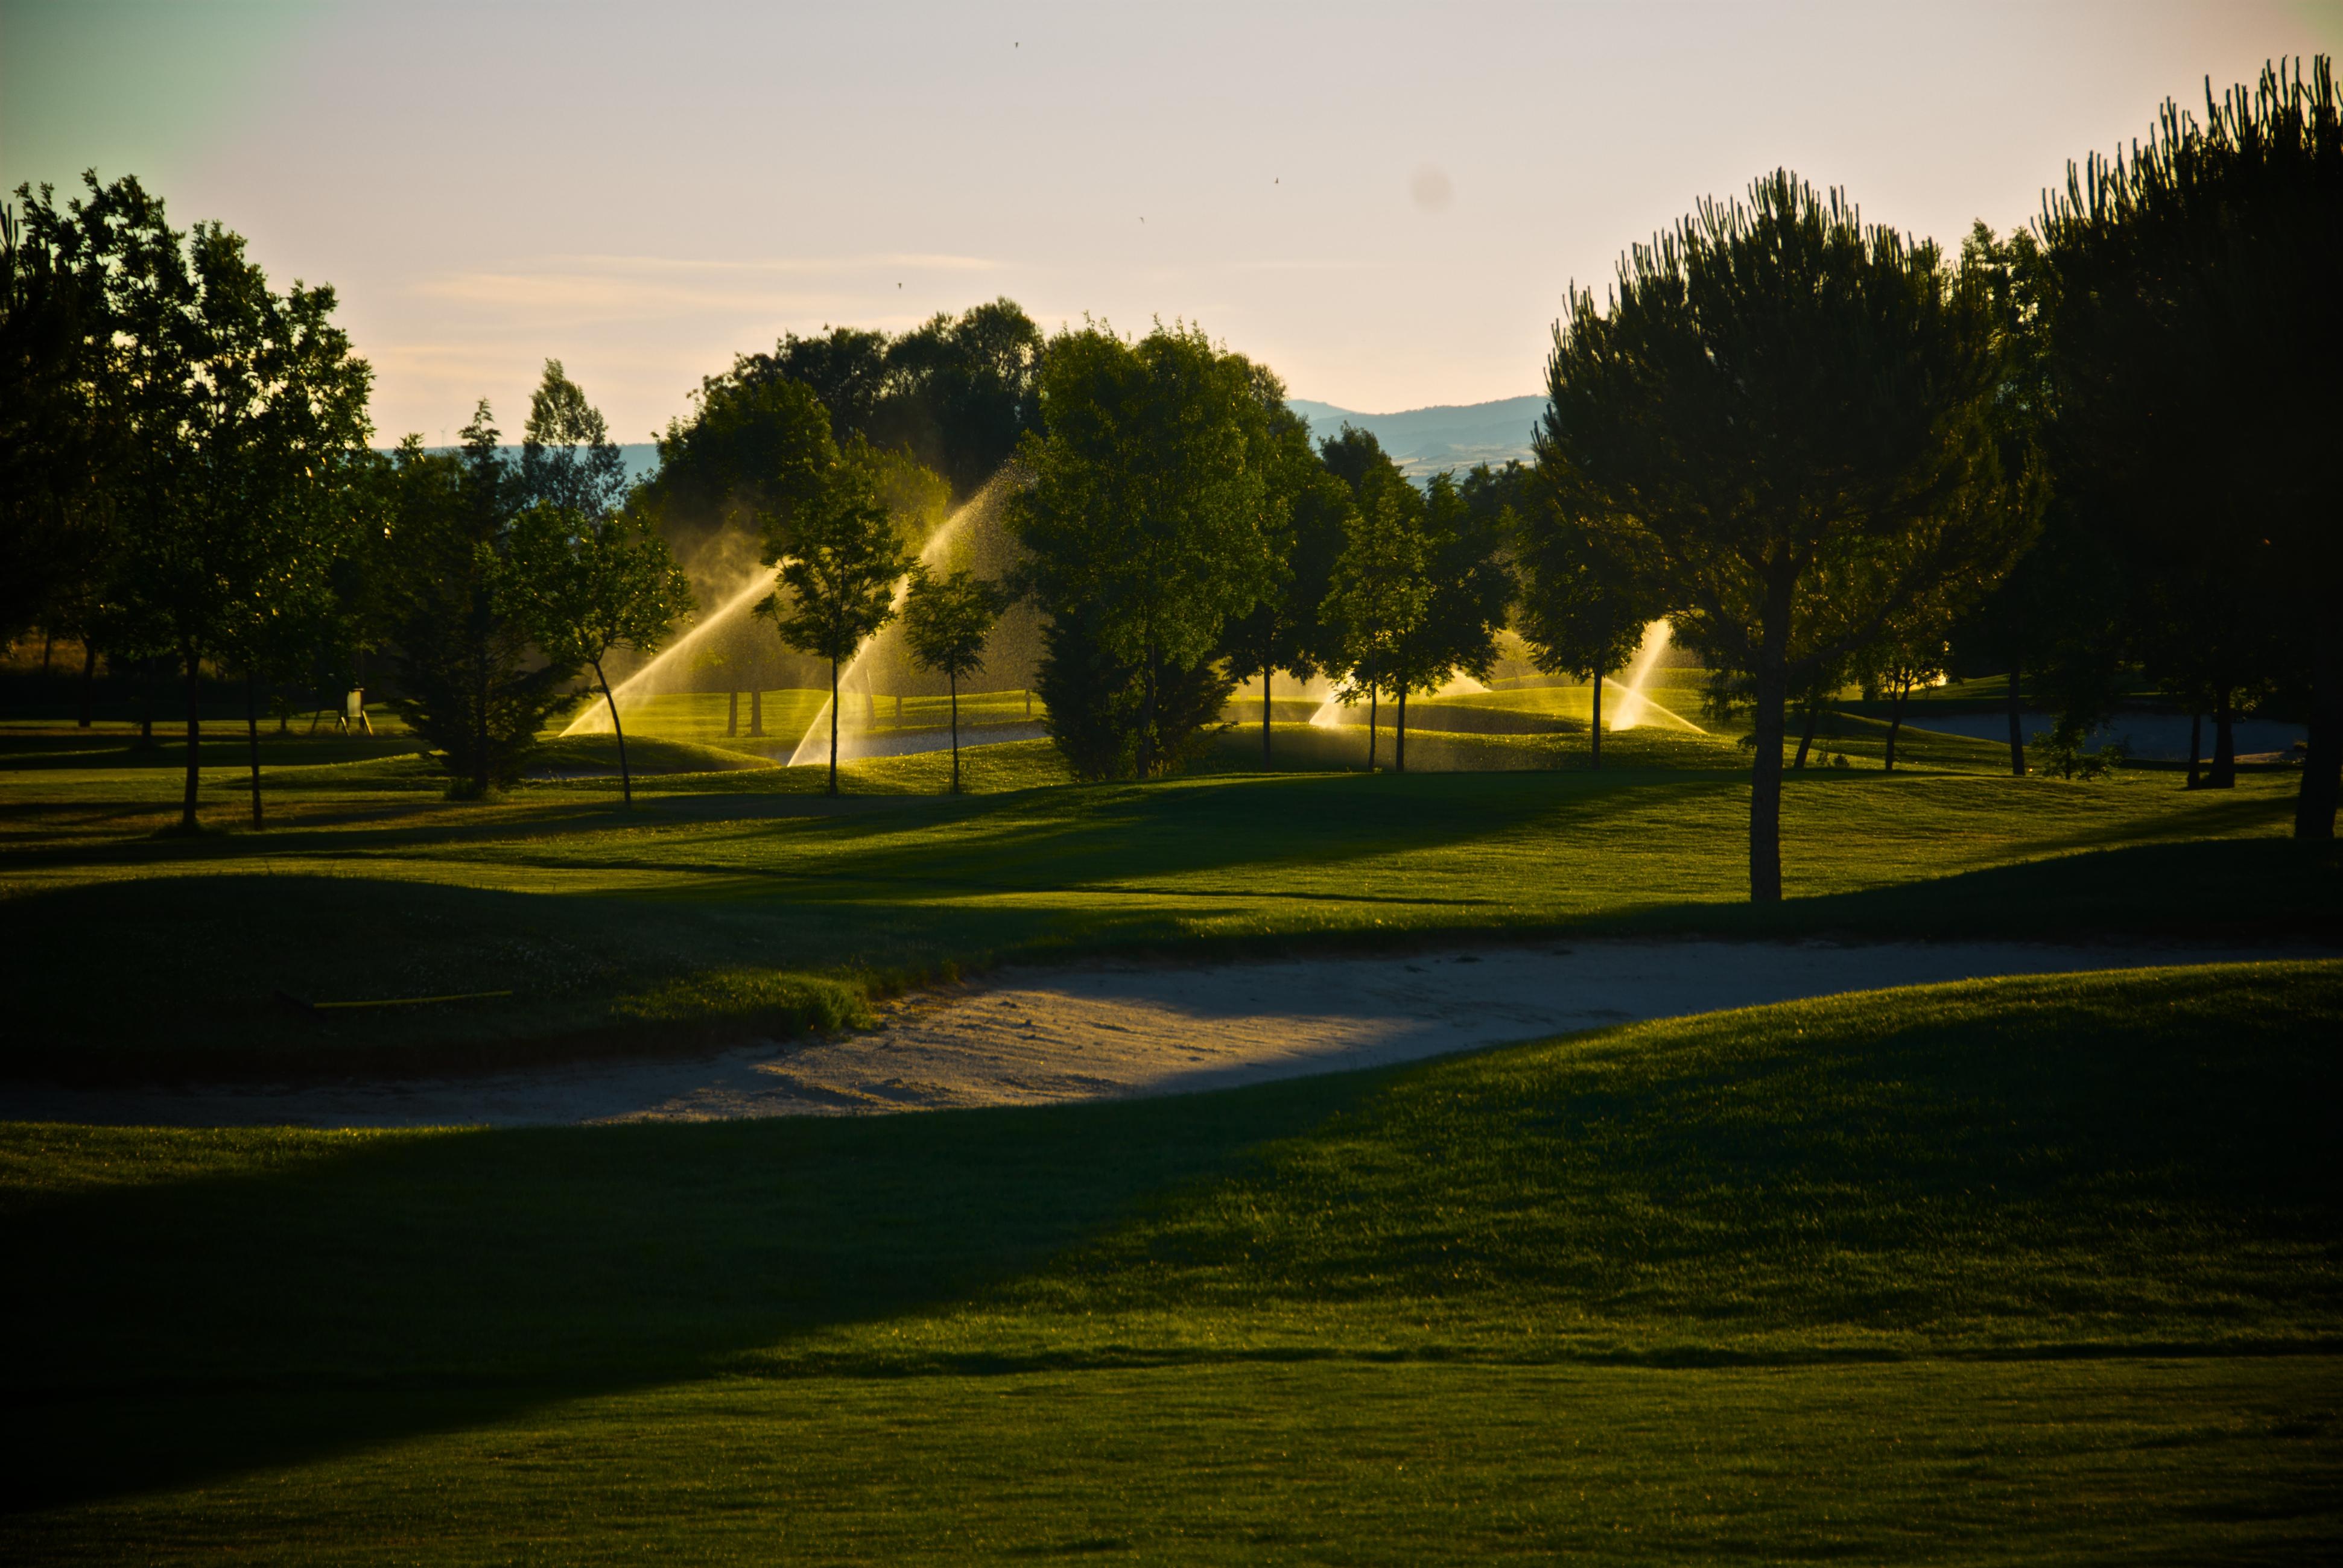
{"points": [[2027, 1270], [733, 904]]}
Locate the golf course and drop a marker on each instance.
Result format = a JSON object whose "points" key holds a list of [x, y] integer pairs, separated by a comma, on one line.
{"points": [[1224, 784]]}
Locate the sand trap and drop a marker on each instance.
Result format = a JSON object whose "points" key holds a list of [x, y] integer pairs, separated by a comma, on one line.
{"points": [[1037, 1037]]}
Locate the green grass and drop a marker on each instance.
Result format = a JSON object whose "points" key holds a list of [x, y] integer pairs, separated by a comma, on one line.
{"points": [[2025, 1271], [737, 900]]}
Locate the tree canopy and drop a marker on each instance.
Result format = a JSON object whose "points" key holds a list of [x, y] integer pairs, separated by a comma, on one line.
{"points": [[1788, 411], [839, 554], [1145, 522], [2194, 327]]}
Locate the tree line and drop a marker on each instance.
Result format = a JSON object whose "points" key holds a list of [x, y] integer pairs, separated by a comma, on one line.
{"points": [[189, 485], [1824, 450]]}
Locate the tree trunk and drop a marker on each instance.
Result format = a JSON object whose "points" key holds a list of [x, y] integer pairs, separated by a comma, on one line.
{"points": [[757, 710], [625, 779], [2017, 737], [731, 713], [1895, 723], [146, 701], [49, 644], [194, 740], [1765, 789], [1398, 738], [1806, 731], [251, 742], [2225, 743], [1370, 726], [1147, 717], [2322, 767], [833, 726], [480, 737], [1265, 673], [88, 682], [954, 679], [2195, 750], [1596, 731]]}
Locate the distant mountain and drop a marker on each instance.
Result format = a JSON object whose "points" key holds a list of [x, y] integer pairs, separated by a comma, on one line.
{"points": [[1424, 441], [642, 457]]}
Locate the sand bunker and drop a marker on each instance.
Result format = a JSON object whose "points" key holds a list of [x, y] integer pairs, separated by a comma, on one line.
{"points": [[1036, 1037]]}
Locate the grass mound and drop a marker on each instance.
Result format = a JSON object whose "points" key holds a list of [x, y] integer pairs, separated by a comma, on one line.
{"points": [[2004, 1270], [571, 755]]}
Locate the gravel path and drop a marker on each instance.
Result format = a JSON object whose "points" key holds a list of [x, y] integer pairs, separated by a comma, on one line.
{"points": [[1105, 1031]]}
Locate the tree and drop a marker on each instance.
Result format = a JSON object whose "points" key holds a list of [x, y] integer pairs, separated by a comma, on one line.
{"points": [[589, 585], [1144, 523], [753, 446], [568, 460], [52, 333], [962, 392], [2194, 325], [955, 393], [1787, 412], [1468, 588], [588, 577], [1911, 652], [1586, 598], [1306, 514], [1378, 597], [839, 556], [469, 685], [231, 413], [946, 624]]}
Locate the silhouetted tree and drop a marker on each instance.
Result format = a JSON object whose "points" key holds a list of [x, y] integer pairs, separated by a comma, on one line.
{"points": [[1587, 598], [231, 415], [469, 683], [1379, 596], [1305, 517], [1911, 652], [840, 555], [2195, 324], [589, 585], [588, 577], [53, 429], [1468, 588], [1788, 411], [945, 623], [1143, 522]]}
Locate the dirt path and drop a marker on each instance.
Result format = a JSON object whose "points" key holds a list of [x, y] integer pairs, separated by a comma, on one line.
{"points": [[1041, 1036]]}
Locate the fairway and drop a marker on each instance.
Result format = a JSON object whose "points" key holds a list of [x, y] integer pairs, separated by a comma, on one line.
{"points": [[739, 903], [2017, 1270]]}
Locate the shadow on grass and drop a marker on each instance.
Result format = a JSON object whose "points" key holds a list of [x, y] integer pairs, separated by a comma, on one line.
{"points": [[2229, 890], [343, 1291]]}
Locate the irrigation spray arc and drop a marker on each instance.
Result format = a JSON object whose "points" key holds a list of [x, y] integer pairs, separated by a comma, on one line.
{"points": [[595, 720], [854, 677], [1633, 707], [671, 670]]}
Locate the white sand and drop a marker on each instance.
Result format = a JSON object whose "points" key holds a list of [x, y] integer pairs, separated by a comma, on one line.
{"points": [[1041, 1036]]}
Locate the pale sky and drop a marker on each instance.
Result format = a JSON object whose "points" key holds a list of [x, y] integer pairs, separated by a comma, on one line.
{"points": [[1384, 202]]}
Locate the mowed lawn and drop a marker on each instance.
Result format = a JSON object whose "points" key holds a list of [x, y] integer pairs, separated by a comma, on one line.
{"points": [[735, 900], [2031, 1271]]}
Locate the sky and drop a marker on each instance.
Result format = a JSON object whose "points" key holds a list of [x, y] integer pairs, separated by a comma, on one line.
{"points": [[1384, 202]]}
